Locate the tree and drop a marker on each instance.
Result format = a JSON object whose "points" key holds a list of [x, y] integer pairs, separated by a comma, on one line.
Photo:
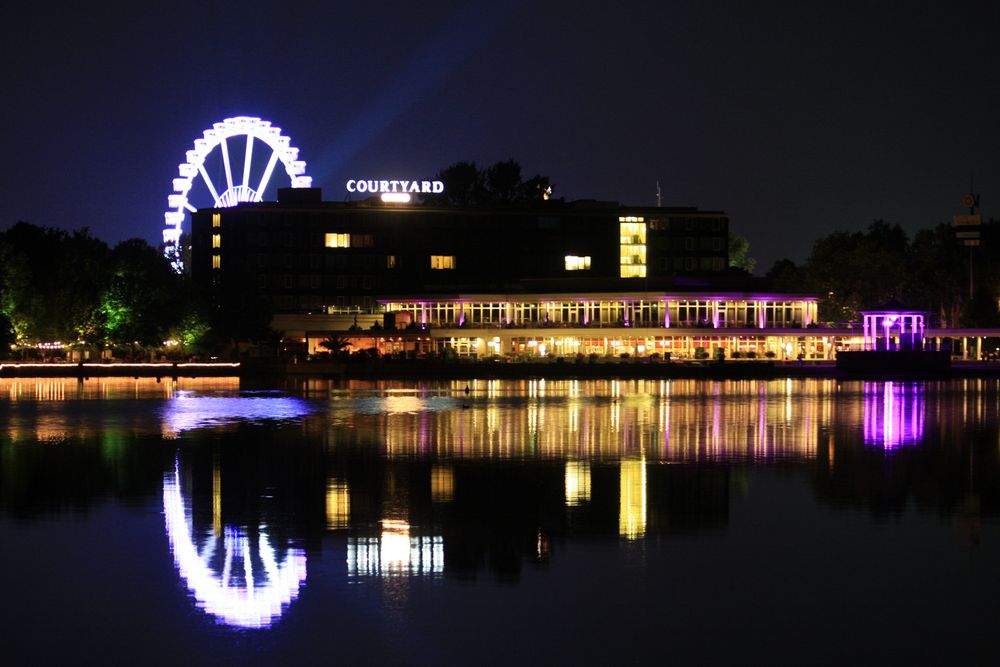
{"points": [[938, 273], [503, 182], [142, 299], [739, 254], [335, 345], [785, 276], [463, 185], [500, 184], [7, 337], [856, 270], [51, 283]]}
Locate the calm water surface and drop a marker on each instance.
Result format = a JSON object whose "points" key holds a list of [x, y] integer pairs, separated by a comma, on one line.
{"points": [[590, 522]]}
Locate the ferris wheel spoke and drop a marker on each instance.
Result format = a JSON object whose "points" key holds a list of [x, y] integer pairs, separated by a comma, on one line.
{"points": [[208, 182], [267, 175], [227, 566], [189, 207], [246, 161], [225, 160], [247, 566]]}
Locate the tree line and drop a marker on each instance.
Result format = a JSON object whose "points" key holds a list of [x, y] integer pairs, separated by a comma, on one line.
{"points": [[854, 271], [71, 288]]}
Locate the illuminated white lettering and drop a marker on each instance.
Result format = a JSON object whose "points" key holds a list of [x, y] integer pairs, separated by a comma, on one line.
{"points": [[396, 185]]}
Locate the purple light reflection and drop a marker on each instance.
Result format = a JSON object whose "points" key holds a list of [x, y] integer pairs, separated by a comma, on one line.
{"points": [[188, 410], [894, 414]]}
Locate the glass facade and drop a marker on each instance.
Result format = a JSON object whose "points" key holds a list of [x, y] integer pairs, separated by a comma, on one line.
{"points": [[632, 244]]}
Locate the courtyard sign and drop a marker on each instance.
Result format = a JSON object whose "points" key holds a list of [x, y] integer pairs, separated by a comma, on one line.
{"points": [[397, 186]]}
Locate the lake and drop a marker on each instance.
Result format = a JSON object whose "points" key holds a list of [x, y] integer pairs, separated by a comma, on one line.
{"points": [[498, 522]]}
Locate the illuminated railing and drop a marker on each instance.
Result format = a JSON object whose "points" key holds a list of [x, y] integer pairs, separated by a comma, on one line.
{"points": [[122, 365]]}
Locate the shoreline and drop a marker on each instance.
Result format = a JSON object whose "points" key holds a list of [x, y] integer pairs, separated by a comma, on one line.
{"points": [[417, 369], [710, 370]]}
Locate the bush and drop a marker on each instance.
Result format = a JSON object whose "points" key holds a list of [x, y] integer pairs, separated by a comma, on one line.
{"points": [[769, 354], [736, 354], [700, 353]]}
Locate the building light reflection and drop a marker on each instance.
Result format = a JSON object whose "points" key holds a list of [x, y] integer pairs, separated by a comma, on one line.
{"points": [[395, 552], [442, 484], [251, 596], [679, 420], [577, 483], [338, 505], [894, 414], [632, 506]]}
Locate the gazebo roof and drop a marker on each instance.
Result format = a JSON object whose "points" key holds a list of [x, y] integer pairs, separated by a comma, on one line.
{"points": [[893, 307]]}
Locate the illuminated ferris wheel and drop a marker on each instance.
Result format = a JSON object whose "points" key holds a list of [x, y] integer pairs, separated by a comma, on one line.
{"points": [[231, 181]]}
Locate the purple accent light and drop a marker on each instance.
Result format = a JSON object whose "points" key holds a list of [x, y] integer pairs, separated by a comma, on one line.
{"points": [[894, 414]]}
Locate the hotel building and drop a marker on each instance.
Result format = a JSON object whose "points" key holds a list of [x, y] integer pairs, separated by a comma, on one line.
{"points": [[546, 278]]}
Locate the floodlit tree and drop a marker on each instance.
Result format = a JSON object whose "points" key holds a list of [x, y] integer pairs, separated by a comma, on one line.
{"points": [[51, 283], [739, 254], [142, 299]]}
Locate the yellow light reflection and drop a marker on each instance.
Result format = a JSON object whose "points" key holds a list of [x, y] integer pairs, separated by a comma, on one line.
{"points": [[338, 505], [632, 507], [577, 482], [216, 498], [395, 554], [442, 484]]}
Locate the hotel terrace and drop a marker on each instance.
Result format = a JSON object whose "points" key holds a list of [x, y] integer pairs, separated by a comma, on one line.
{"points": [[678, 326]]}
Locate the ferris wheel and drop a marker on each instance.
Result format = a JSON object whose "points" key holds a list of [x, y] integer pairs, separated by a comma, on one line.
{"points": [[225, 189]]}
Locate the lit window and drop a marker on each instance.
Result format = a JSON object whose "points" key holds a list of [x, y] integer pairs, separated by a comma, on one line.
{"points": [[390, 261], [216, 240], [442, 261], [632, 242], [216, 262], [576, 263], [335, 240], [216, 219], [633, 271]]}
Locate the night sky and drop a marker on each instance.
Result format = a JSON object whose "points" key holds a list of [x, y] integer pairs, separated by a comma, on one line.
{"points": [[797, 119]]}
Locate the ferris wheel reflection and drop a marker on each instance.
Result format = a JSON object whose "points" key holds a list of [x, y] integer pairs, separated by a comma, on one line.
{"points": [[252, 588]]}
